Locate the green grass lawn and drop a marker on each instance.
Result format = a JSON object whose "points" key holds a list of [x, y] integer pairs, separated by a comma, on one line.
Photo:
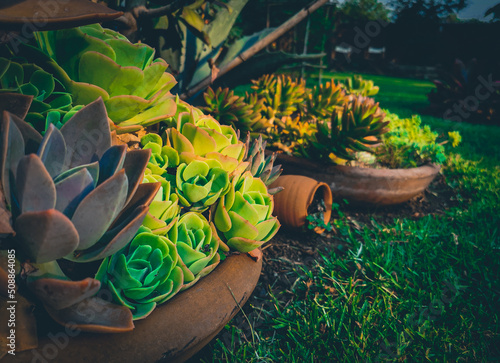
{"points": [[416, 290]]}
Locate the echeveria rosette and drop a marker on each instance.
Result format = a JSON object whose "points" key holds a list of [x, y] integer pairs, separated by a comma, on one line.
{"points": [[22, 78], [73, 196], [144, 274], [95, 62], [197, 244], [244, 214], [199, 186], [200, 137], [164, 209]]}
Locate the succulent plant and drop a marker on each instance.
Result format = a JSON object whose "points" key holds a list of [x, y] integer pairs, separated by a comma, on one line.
{"points": [[72, 196], [242, 113], [290, 134], [244, 214], [200, 137], [357, 86], [281, 94], [95, 62], [143, 274], [322, 101], [164, 209], [359, 124], [197, 244], [24, 78], [259, 165]]}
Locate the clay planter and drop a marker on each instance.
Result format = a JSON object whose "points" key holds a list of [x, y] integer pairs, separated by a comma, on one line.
{"points": [[172, 333], [292, 203], [375, 186]]}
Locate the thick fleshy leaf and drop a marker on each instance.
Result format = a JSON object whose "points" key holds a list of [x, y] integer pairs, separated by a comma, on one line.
{"points": [[199, 138], [115, 239], [135, 164], [47, 235], [95, 315], [240, 227], [12, 150], [111, 162], [61, 294], [244, 244], [87, 134], [52, 151], [35, 188], [15, 103], [97, 211], [71, 191]]}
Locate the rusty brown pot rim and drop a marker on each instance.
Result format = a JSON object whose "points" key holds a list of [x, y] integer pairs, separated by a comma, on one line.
{"points": [[38, 15]]}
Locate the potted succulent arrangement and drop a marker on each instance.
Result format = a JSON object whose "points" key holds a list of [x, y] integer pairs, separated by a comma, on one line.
{"points": [[337, 134], [101, 233]]}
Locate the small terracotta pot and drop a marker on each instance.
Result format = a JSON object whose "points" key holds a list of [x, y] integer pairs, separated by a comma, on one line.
{"points": [[292, 203], [375, 186], [173, 332]]}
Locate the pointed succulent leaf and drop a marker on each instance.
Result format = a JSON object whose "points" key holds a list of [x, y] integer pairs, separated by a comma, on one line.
{"points": [[46, 236], [97, 211]]}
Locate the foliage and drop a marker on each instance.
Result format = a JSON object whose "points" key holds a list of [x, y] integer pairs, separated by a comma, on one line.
{"points": [[283, 96], [55, 189], [94, 62], [29, 79], [242, 113], [259, 165], [426, 9], [324, 99], [244, 214], [143, 274], [358, 86], [407, 144], [359, 124]]}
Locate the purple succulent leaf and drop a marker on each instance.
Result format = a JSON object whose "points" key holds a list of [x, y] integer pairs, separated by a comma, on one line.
{"points": [[115, 239], [87, 134], [61, 294], [52, 151], [47, 235], [135, 164], [92, 168], [12, 150], [98, 210], [95, 315], [144, 195], [111, 162], [32, 138], [35, 189], [15, 103], [71, 191]]}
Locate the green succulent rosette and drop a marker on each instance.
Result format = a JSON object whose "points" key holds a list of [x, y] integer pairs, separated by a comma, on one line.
{"points": [[164, 209], [197, 245], [93, 62], [244, 214], [144, 274], [199, 185], [201, 137], [23, 78]]}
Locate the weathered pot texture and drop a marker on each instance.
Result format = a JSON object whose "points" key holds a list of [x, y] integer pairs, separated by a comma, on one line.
{"points": [[172, 333], [292, 203], [375, 186]]}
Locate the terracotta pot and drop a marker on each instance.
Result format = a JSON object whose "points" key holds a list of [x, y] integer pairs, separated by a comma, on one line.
{"points": [[292, 203], [375, 186], [172, 333], [49, 15]]}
